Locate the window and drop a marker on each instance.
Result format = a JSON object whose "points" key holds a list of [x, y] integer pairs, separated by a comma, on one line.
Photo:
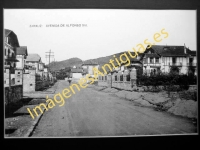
{"points": [[144, 60], [8, 51], [157, 60], [163, 59], [190, 60], [173, 60], [102, 77], [128, 77], [151, 60], [5, 52], [121, 77], [115, 78], [18, 72], [105, 77]]}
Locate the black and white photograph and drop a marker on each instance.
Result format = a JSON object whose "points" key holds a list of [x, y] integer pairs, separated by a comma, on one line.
{"points": [[99, 73]]}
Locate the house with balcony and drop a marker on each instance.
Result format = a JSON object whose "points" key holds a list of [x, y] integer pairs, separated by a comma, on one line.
{"points": [[33, 61], [12, 76], [21, 55], [161, 58], [10, 45]]}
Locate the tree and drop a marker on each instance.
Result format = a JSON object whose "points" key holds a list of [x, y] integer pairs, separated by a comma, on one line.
{"points": [[174, 70]]}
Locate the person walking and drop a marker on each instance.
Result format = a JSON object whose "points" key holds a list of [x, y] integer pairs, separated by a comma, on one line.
{"points": [[69, 80]]}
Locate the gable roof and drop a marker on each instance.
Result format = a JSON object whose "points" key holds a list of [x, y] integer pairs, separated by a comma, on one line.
{"points": [[15, 42], [166, 50], [7, 32], [33, 57], [152, 55], [22, 50], [75, 70]]}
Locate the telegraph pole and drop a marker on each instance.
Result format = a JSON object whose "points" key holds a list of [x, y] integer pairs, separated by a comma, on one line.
{"points": [[48, 55]]}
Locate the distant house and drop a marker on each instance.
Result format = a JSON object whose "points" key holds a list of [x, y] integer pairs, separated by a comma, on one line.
{"points": [[21, 55], [34, 61], [163, 58], [88, 66], [76, 73]]}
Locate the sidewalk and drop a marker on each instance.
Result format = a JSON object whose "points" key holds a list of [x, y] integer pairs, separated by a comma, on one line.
{"points": [[20, 123]]}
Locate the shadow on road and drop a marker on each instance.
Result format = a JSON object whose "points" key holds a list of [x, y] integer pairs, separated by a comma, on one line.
{"points": [[12, 107]]}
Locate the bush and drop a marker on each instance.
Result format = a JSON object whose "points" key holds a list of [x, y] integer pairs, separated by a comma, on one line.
{"points": [[170, 81]]}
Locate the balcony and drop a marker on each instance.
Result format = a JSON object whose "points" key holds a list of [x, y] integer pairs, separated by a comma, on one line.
{"points": [[152, 64], [175, 64], [192, 64]]}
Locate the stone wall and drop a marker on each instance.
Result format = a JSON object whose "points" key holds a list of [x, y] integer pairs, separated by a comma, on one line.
{"points": [[16, 94], [119, 80], [29, 81]]}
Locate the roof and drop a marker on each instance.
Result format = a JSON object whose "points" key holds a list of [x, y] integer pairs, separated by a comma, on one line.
{"points": [[15, 42], [75, 70], [193, 53], [7, 32], [33, 57], [166, 50], [152, 55], [22, 50], [90, 62]]}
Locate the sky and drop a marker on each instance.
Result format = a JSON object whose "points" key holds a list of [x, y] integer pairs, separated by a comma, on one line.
{"points": [[100, 32]]}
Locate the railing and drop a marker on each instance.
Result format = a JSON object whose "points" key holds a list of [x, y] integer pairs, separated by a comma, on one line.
{"points": [[175, 64], [192, 64], [152, 64]]}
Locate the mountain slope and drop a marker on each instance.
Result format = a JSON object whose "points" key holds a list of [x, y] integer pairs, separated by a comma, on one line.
{"points": [[65, 63], [78, 62]]}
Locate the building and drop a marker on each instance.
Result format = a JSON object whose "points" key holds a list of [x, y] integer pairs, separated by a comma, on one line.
{"points": [[76, 73], [34, 61], [10, 45], [13, 90], [162, 58], [21, 55], [88, 66], [121, 77]]}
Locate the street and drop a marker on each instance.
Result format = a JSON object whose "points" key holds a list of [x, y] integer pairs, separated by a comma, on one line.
{"points": [[95, 113]]}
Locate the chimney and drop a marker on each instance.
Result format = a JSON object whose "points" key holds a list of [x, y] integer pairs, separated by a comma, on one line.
{"points": [[184, 49]]}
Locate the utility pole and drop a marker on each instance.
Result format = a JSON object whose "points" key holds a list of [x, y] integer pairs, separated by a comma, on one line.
{"points": [[48, 55]]}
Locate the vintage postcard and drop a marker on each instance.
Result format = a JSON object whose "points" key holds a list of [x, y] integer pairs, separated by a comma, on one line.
{"points": [[100, 72]]}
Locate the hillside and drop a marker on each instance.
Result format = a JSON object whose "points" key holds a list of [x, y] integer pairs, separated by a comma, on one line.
{"points": [[65, 63], [77, 62]]}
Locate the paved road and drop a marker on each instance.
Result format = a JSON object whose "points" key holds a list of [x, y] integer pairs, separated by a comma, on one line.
{"points": [[94, 113]]}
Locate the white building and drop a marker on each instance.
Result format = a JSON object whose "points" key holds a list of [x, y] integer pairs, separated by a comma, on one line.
{"points": [[88, 66], [163, 58], [21, 55]]}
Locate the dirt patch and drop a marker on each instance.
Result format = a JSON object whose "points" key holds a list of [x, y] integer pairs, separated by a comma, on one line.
{"points": [[17, 126], [185, 108]]}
